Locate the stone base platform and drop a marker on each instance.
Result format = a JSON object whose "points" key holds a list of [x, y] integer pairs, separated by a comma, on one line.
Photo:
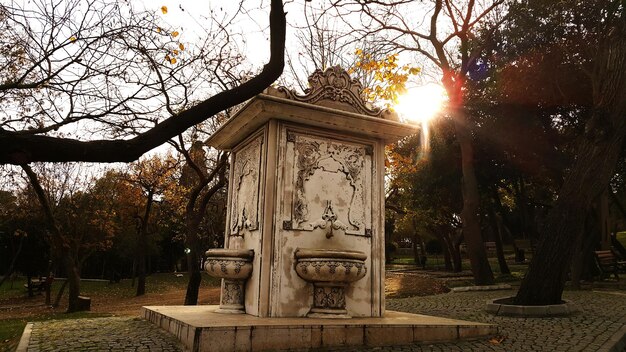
{"points": [[199, 328]]}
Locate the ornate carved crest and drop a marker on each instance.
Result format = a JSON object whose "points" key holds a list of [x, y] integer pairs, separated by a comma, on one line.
{"points": [[335, 88]]}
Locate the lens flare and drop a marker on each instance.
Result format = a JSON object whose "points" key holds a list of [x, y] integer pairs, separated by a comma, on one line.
{"points": [[421, 104]]}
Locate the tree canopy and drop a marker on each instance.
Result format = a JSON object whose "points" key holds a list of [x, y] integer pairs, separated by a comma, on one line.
{"points": [[95, 65]]}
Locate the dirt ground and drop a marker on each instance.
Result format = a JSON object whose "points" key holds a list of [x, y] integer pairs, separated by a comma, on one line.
{"points": [[397, 285]]}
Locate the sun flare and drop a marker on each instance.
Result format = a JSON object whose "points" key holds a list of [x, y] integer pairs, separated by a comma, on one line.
{"points": [[421, 104]]}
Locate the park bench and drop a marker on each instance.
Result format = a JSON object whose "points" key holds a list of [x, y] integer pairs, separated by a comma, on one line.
{"points": [[38, 284], [608, 264], [523, 247]]}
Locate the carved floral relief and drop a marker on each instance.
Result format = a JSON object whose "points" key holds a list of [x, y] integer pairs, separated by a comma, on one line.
{"points": [[339, 195], [245, 192]]}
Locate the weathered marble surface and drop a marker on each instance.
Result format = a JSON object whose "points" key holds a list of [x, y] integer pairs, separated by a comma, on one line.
{"points": [[307, 173]]}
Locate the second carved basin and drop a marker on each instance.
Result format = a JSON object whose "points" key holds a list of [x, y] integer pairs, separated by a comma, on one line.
{"points": [[330, 265], [330, 271]]}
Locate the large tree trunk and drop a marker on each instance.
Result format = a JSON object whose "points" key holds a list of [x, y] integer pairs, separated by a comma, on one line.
{"points": [[73, 280], [141, 267], [414, 244], [194, 213], [141, 249], [588, 177], [545, 280], [58, 243], [504, 267], [582, 259], [470, 213], [195, 278], [57, 300], [445, 247], [604, 219], [496, 225], [193, 259], [457, 261]]}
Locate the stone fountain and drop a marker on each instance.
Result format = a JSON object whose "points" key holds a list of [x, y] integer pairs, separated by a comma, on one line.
{"points": [[305, 229]]}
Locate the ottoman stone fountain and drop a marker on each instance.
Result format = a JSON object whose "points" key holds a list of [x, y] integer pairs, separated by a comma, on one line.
{"points": [[305, 229]]}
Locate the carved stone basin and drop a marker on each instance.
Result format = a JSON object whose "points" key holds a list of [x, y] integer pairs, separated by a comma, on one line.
{"points": [[225, 263], [234, 266], [330, 271]]}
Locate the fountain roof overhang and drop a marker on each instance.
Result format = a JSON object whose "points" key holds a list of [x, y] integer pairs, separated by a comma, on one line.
{"points": [[333, 102]]}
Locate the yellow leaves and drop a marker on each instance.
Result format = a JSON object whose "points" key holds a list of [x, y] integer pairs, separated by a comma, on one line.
{"points": [[414, 70], [158, 29], [175, 34], [164, 9], [72, 39], [171, 56], [389, 78], [171, 60]]}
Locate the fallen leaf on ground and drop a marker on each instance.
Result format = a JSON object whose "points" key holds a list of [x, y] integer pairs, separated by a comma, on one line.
{"points": [[496, 340]]}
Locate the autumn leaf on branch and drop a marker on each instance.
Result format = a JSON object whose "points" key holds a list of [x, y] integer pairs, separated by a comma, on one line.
{"points": [[390, 78]]}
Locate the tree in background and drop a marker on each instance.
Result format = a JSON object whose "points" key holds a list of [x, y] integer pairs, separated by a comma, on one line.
{"points": [[22, 235], [425, 190], [77, 225], [587, 46], [154, 176], [203, 176], [444, 40]]}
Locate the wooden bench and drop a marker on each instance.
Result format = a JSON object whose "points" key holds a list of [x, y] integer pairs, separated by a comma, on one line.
{"points": [[38, 284], [523, 247], [608, 264]]}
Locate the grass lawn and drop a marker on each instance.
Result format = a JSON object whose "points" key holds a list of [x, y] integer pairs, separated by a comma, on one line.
{"points": [[154, 283], [621, 237], [108, 299], [436, 262]]}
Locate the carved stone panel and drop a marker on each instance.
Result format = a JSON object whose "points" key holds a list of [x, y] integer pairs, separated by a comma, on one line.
{"points": [[331, 185], [245, 192]]}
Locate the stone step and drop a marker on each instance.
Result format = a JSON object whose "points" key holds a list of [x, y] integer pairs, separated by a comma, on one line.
{"points": [[200, 328]]}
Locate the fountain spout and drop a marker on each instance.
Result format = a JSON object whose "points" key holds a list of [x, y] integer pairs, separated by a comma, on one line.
{"points": [[329, 221]]}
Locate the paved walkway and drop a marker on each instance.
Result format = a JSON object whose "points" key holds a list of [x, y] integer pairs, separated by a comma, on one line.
{"points": [[100, 334], [602, 315], [595, 328]]}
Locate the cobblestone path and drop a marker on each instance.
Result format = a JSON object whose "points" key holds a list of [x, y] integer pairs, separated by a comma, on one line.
{"points": [[100, 334], [601, 315]]}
